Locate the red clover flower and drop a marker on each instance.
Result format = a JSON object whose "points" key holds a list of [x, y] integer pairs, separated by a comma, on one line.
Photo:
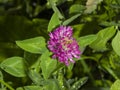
{"points": [[63, 45]]}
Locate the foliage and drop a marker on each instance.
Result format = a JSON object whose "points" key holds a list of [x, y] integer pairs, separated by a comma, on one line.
{"points": [[26, 62]]}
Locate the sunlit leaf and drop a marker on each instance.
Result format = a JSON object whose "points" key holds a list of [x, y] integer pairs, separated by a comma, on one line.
{"points": [[102, 38], [14, 66], [115, 85], [54, 22], [86, 40], [33, 45], [36, 77], [52, 84], [48, 65], [116, 43]]}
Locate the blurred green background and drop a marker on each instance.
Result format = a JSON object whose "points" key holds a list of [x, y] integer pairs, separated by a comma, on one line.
{"points": [[24, 19]]}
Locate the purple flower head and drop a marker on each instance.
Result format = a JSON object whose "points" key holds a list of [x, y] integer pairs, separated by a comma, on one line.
{"points": [[63, 45]]}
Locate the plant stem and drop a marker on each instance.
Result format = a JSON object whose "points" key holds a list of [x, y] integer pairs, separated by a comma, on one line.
{"points": [[7, 85], [55, 9], [89, 57]]}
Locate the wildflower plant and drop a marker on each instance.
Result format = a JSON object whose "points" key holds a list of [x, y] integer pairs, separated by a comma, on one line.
{"points": [[63, 45], [59, 45]]}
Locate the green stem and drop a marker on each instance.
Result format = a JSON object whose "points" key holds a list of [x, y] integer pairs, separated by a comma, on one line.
{"points": [[68, 21], [89, 57], [55, 9], [7, 85]]}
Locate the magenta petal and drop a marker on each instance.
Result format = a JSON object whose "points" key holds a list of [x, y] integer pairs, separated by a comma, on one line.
{"points": [[63, 45]]}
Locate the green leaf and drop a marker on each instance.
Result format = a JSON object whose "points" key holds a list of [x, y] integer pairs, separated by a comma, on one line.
{"points": [[114, 60], [115, 85], [102, 37], [36, 77], [48, 65], [52, 85], [106, 65], [113, 23], [70, 67], [69, 71], [116, 43], [79, 83], [76, 8], [32, 61], [77, 29], [86, 40], [54, 22], [14, 66], [30, 88], [68, 21], [33, 45]]}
